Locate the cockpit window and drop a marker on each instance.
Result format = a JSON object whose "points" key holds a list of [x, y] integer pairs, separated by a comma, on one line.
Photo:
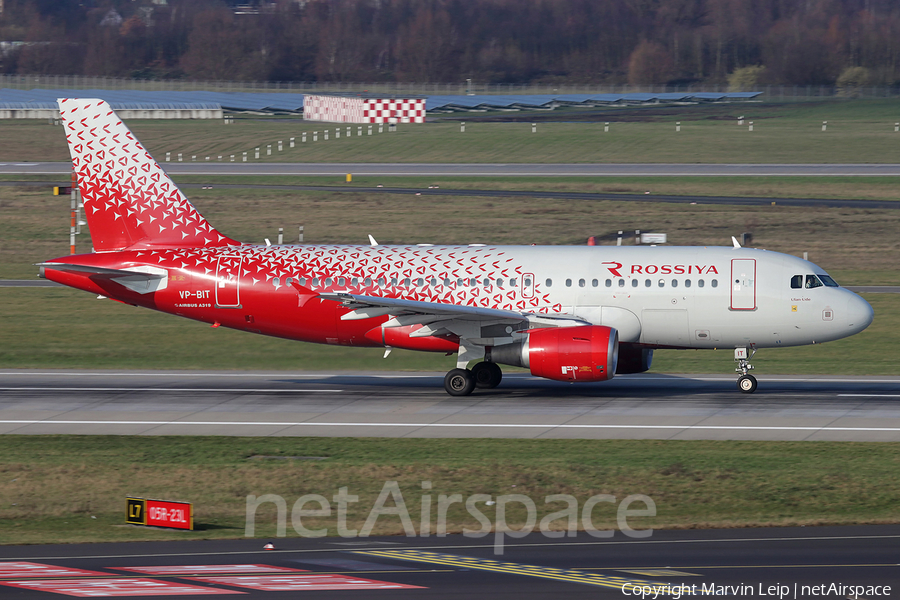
{"points": [[828, 281], [797, 282], [812, 282]]}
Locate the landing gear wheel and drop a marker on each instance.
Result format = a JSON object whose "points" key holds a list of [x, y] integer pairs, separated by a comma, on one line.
{"points": [[459, 382], [747, 384], [487, 375]]}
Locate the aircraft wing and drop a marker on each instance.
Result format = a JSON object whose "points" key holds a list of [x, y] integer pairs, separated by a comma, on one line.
{"points": [[142, 279], [476, 324]]}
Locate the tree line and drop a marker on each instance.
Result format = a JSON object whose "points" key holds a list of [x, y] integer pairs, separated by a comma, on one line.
{"points": [[744, 42]]}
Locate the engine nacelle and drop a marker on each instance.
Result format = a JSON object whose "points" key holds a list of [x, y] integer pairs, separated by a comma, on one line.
{"points": [[586, 353], [633, 359]]}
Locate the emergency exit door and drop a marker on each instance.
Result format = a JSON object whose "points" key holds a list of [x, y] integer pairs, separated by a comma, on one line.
{"points": [[743, 284], [228, 282]]}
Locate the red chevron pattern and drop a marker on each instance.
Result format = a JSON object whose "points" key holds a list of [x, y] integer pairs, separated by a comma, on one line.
{"points": [[129, 200], [261, 266]]}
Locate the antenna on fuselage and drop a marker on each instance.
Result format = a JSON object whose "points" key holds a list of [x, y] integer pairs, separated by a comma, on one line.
{"points": [[372, 241], [736, 243]]}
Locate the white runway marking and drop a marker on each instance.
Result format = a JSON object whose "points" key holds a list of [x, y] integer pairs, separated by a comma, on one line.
{"points": [[869, 395], [450, 425], [149, 389], [400, 375]]}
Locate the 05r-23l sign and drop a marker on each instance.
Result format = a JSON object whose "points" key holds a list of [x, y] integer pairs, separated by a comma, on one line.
{"points": [[159, 513]]}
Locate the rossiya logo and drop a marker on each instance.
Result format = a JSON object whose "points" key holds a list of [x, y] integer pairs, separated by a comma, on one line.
{"points": [[614, 267]]}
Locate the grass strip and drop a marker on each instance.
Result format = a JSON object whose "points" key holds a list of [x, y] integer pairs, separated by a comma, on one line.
{"points": [[858, 131], [73, 488], [856, 245]]}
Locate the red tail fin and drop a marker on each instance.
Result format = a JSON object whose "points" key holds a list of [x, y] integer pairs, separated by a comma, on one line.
{"points": [[129, 200]]}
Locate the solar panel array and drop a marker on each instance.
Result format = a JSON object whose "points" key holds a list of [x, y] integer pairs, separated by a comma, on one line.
{"points": [[548, 100], [276, 102]]}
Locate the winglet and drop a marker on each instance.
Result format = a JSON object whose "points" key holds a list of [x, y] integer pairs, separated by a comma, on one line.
{"points": [[736, 243], [372, 241]]}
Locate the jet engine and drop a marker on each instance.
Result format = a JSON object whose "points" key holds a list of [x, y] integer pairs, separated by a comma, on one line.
{"points": [[585, 353], [633, 359]]}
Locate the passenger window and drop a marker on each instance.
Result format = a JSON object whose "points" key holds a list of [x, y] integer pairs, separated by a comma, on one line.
{"points": [[687, 283], [381, 282], [341, 281], [276, 281], [315, 281], [594, 282], [674, 283], [796, 282], [700, 283], [446, 282], [473, 282], [487, 282], [459, 283], [812, 282], [499, 283], [647, 283], [406, 282], [354, 282], [368, 281], [328, 281], [288, 281], [420, 282], [528, 282], [581, 283], [621, 283], [393, 282], [634, 283], [433, 282], [662, 283], [568, 283], [609, 283], [512, 282], [549, 283], [302, 281], [714, 283]]}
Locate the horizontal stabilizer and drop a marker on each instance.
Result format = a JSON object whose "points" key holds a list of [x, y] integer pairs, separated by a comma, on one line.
{"points": [[143, 280]]}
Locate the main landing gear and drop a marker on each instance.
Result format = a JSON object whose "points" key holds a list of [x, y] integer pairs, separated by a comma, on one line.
{"points": [[746, 383], [461, 382]]}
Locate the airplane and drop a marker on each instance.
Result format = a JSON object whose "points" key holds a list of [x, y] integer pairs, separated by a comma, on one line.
{"points": [[575, 314]]}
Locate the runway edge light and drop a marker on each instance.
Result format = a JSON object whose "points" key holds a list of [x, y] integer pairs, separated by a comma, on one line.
{"points": [[159, 513]]}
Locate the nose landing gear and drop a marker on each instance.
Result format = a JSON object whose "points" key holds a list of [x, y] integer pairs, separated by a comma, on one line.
{"points": [[746, 383]]}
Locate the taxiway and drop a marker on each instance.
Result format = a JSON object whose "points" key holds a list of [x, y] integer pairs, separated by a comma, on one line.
{"points": [[731, 562]]}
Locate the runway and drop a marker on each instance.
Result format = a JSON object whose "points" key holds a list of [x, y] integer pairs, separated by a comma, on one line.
{"points": [[644, 406], [494, 170], [785, 563]]}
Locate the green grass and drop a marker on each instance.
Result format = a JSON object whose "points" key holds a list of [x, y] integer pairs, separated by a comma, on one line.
{"points": [[693, 483], [63, 328], [860, 131], [828, 187], [858, 245]]}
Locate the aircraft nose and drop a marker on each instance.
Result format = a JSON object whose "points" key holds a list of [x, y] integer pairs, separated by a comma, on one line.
{"points": [[859, 313]]}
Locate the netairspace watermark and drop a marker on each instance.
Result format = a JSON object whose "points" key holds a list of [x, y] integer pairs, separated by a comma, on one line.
{"points": [[781, 591], [548, 526]]}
